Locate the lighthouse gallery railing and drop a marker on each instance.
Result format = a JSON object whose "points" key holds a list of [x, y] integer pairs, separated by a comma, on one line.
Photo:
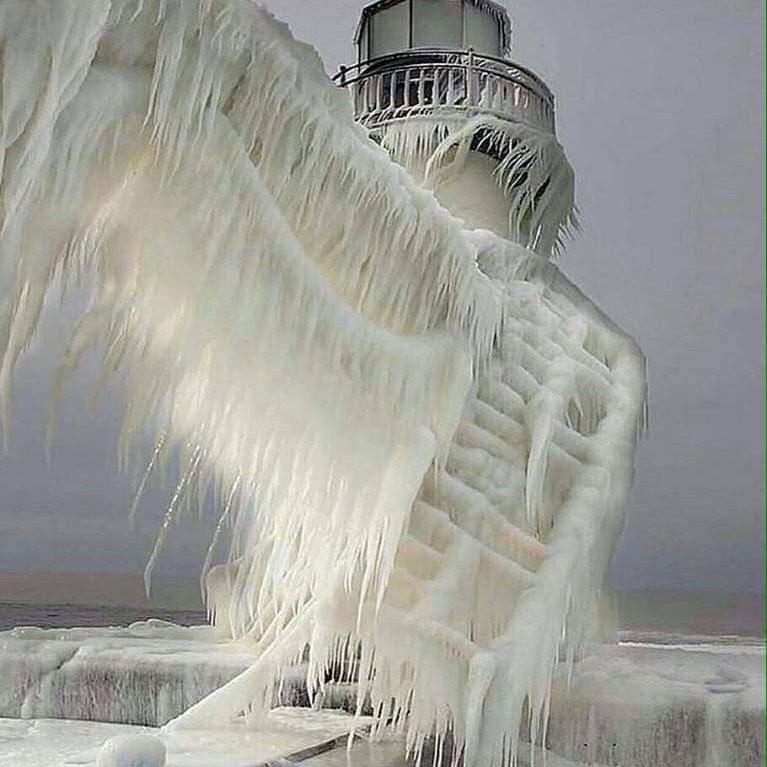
{"points": [[425, 81]]}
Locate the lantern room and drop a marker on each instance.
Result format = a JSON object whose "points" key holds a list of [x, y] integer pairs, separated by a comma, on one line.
{"points": [[394, 26]]}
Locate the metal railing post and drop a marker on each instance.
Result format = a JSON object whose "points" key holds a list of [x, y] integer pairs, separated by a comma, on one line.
{"points": [[470, 95]]}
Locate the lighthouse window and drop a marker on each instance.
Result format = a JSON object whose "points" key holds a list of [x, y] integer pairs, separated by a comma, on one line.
{"points": [[437, 23], [363, 52], [390, 30], [482, 31]]}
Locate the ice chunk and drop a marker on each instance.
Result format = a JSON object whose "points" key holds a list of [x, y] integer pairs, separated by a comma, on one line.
{"points": [[53, 743], [132, 751]]}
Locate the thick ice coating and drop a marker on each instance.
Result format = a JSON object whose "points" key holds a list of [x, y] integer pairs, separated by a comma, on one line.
{"points": [[132, 751], [422, 436]]}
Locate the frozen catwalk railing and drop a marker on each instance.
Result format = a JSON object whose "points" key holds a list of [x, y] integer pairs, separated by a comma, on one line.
{"points": [[402, 85]]}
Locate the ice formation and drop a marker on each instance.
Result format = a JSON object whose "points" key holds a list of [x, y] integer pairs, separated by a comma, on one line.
{"points": [[132, 751], [146, 674], [421, 435], [690, 705], [541, 211]]}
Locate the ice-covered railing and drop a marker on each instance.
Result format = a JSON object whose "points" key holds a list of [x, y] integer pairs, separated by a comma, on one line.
{"points": [[429, 81]]}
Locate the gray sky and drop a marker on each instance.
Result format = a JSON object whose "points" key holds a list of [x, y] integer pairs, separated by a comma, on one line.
{"points": [[660, 109]]}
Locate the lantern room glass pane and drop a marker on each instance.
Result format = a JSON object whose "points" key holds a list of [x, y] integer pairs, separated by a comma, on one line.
{"points": [[390, 30], [438, 23], [482, 31], [363, 50]]}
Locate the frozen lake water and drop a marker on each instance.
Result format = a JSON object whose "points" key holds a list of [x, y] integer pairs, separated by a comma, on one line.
{"points": [[14, 614], [46, 599]]}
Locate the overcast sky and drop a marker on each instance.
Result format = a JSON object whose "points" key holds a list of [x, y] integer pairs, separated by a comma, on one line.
{"points": [[660, 109]]}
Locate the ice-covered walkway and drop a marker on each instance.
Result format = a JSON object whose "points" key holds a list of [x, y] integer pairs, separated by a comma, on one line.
{"points": [[296, 733]]}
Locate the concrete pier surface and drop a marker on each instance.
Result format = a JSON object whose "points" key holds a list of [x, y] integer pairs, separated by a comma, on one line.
{"points": [[654, 700]]}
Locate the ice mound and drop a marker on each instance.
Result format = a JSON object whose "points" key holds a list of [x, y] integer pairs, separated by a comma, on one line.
{"points": [[132, 751]]}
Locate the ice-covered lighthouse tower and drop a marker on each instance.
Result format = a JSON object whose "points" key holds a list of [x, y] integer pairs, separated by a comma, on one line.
{"points": [[435, 85]]}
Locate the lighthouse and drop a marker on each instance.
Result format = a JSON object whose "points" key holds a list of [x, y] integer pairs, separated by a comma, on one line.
{"points": [[435, 85]]}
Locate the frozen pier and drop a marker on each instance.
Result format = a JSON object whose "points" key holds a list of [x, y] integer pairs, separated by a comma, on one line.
{"points": [[638, 704], [143, 675], [662, 705]]}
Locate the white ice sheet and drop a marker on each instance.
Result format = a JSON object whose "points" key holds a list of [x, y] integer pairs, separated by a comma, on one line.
{"points": [[66, 743]]}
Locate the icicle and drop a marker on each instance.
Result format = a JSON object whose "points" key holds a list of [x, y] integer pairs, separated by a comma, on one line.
{"points": [[222, 520], [531, 169], [158, 448], [170, 516]]}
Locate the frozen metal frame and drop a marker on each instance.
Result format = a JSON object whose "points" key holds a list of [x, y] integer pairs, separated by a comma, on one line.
{"points": [[430, 81]]}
